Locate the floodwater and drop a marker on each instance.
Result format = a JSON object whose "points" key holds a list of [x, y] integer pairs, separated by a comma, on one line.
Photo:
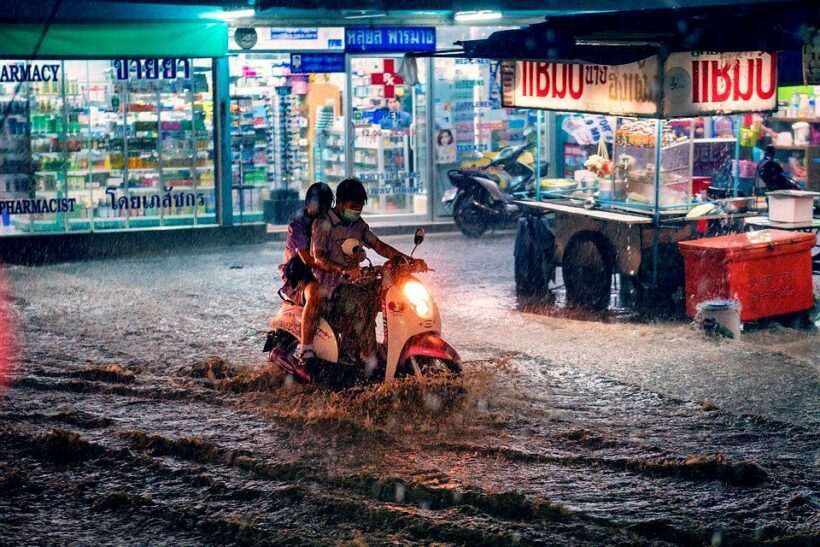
{"points": [[140, 410]]}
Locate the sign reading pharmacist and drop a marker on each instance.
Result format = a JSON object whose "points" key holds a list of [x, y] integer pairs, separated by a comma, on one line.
{"points": [[693, 84]]}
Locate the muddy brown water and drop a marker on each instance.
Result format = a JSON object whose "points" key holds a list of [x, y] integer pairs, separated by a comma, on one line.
{"points": [[135, 415]]}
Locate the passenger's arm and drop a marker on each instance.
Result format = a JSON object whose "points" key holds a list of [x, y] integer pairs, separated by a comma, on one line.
{"points": [[307, 258]]}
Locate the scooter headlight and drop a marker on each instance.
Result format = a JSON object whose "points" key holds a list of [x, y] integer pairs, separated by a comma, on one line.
{"points": [[418, 296]]}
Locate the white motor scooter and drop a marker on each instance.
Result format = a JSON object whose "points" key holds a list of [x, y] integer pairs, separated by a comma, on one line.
{"points": [[412, 331]]}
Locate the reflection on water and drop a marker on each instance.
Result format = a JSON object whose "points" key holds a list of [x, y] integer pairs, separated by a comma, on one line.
{"points": [[143, 412]]}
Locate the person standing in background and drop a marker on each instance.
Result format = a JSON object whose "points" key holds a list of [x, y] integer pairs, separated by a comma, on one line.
{"points": [[396, 118]]}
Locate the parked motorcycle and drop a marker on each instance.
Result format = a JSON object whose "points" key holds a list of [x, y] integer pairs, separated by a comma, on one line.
{"points": [[482, 198], [412, 331]]}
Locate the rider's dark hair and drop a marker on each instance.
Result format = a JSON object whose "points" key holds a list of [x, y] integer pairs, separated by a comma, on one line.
{"points": [[319, 195], [351, 190]]}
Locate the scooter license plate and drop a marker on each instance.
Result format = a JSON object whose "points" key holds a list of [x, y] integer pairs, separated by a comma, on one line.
{"points": [[449, 195]]}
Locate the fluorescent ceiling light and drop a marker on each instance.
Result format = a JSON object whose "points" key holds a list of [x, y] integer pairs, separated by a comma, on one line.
{"points": [[230, 15], [472, 16], [363, 14]]}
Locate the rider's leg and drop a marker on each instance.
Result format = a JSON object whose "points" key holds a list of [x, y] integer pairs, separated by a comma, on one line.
{"points": [[368, 339], [311, 313]]}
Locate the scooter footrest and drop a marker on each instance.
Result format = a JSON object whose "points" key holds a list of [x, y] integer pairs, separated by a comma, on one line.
{"points": [[270, 341]]}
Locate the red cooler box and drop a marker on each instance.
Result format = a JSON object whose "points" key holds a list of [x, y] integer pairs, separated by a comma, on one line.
{"points": [[769, 272]]}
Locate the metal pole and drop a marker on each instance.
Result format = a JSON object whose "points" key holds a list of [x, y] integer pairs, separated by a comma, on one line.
{"points": [[431, 166], [223, 187], [736, 174], [657, 212], [538, 122], [349, 132]]}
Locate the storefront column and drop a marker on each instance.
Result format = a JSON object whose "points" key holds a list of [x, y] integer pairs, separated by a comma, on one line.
{"points": [[222, 144], [432, 196]]}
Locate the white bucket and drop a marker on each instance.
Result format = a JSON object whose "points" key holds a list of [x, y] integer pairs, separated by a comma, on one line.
{"points": [[720, 315]]}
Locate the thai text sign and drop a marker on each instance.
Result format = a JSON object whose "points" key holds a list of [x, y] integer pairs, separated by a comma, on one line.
{"points": [[697, 83], [629, 90], [694, 84], [389, 39]]}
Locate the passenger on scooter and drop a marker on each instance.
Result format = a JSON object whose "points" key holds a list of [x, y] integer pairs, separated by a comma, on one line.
{"points": [[298, 280], [334, 268]]}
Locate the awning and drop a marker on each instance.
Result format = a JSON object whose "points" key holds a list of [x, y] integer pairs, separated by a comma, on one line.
{"points": [[622, 37], [594, 38], [178, 39]]}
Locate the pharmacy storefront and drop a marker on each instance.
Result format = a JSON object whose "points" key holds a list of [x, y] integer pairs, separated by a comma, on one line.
{"points": [[108, 127], [323, 104]]}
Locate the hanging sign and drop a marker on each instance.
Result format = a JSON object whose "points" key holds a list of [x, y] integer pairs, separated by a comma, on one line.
{"points": [[389, 39], [306, 63], [695, 84], [699, 83], [628, 90], [289, 39]]}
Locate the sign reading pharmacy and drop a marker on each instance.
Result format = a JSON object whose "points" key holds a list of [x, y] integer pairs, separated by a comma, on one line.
{"points": [[389, 39], [22, 72], [694, 84]]}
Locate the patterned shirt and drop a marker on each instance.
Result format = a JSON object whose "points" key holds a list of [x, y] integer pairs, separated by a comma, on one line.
{"points": [[329, 232]]}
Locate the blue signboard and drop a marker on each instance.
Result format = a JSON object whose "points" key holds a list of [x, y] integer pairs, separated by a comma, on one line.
{"points": [[305, 63], [294, 33], [389, 39]]}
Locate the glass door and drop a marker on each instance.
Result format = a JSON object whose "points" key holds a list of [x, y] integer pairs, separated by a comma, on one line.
{"points": [[390, 134], [287, 133]]}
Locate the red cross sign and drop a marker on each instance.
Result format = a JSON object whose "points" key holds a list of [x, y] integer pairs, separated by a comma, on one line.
{"points": [[388, 78]]}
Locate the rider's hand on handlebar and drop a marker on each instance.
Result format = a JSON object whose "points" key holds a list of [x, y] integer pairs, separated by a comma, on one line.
{"points": [[419, 265], [353, 273]]}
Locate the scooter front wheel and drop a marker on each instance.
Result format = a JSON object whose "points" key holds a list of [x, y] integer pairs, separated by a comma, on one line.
{"points": [[433, 366]]}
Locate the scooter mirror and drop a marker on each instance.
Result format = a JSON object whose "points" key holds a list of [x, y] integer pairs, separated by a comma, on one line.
{"points": [[419, 237]]}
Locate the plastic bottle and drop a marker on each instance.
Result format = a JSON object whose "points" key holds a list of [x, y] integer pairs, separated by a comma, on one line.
{"points": [[812, 110], [803, 106], [794, 104], [816, 102]]}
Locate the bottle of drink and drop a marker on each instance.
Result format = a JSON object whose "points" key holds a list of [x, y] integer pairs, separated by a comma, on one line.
{"points": [[803, 107], [794, 104]]}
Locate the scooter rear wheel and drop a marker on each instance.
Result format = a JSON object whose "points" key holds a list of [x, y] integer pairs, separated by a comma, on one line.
{"points": [[472, 220]]}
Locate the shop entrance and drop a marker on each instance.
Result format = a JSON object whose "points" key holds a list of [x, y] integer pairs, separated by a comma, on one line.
{"points": [[389, 123], [287, 132]]}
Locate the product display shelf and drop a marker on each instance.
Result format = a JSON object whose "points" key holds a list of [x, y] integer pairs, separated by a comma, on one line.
{"points": [[806, 154]]}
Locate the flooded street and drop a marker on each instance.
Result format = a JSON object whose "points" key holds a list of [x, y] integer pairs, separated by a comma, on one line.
{"points": [[140, 410]]}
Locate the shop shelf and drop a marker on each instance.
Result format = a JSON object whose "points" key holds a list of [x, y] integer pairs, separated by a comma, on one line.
{"points": [[794, 120], [792, 146]]}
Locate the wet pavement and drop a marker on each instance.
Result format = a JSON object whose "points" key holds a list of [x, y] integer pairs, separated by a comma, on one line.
{"points": [[140, 411]]}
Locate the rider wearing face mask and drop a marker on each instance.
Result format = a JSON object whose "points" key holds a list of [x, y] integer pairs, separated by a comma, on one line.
{"points": [[334, 268]]}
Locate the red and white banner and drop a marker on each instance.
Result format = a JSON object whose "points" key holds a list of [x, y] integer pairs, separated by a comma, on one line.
{"points": [[695, 84], [628, 90]]}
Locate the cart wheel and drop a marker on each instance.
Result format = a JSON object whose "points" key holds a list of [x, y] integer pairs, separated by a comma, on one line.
{"points": [[587, 269]]}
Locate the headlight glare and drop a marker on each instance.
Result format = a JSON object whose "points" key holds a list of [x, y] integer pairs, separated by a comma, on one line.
{"points": [[418, 296]]}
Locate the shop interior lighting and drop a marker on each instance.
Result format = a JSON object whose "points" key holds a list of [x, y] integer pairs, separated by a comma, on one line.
{"points": [[230, 15], [474, 16], [363, 14]]}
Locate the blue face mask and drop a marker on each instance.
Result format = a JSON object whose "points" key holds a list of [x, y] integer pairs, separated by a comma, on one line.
{"points": [[351, 215]]}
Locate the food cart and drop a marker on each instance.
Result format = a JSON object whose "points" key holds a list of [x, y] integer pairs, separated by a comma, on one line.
{"points": [[626, 213], [638, 203]]}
